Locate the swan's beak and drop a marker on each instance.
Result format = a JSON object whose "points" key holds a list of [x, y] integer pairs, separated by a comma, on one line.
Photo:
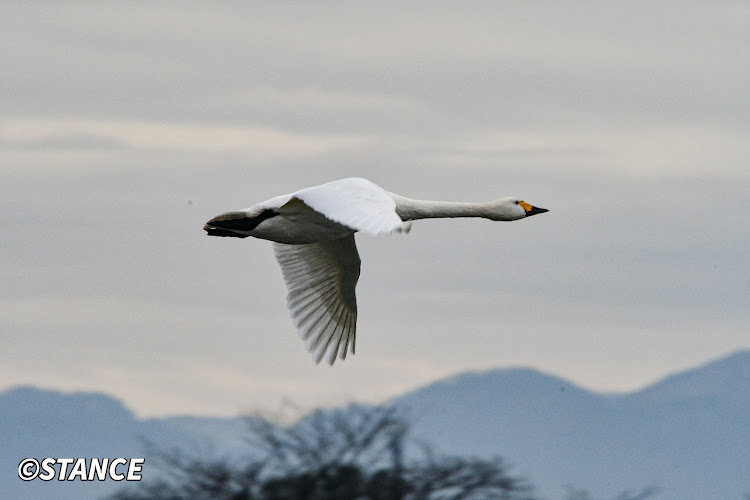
{"points": [[530, 210]]}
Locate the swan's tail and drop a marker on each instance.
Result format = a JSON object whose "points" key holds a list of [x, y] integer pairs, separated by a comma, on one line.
{"points": [[236, 224]]}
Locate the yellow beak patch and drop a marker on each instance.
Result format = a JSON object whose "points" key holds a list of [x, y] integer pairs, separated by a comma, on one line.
{"points": [[525, 206]]}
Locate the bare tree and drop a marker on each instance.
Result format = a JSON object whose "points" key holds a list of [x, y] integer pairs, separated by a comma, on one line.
{"points": [[452, 478], [356, 434], [189, 478], [355, 452]]}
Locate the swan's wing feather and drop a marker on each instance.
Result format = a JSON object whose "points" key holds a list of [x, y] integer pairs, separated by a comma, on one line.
{"points": [[321, 279], [356, 203]]}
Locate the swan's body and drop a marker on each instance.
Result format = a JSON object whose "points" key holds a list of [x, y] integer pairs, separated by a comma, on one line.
{"points": [[313, 234]]}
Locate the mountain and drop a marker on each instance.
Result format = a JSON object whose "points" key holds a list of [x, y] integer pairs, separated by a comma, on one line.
{"points": [[688, 433], [43, 423]]}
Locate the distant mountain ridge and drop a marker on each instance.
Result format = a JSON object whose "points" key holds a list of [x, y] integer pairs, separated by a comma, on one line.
{"points": [[689, 433], [728, 376]]}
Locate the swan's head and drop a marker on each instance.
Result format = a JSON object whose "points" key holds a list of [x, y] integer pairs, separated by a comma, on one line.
{"points": [[511, 208]]}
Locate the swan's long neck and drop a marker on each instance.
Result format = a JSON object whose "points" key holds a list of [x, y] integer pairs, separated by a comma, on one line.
{"points": [[409, 209]]}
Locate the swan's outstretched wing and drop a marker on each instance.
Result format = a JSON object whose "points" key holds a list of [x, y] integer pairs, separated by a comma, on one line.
{"points": [[356, 203], [321, 278]]}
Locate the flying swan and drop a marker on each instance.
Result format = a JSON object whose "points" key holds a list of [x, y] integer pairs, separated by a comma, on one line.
{"points": [[313, 234]]}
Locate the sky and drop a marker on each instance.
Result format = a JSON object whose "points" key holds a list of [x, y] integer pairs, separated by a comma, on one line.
{"points": [[125, 126]]}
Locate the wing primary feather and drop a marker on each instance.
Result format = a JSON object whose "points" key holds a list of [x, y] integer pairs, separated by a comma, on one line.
{"points": [[354, 332], [327, 346], [309, 312], [352, 320], [300, 296], [345, 335], [346, 342], [337, 342], [310, 304], [317, 335], [330, 326], [321, 279]]}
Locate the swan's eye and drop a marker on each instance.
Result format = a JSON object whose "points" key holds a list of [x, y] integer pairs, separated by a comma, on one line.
{"points": [[516, 202]]}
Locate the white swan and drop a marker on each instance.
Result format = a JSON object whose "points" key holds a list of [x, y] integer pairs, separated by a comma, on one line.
{"points": [[313, 234]]}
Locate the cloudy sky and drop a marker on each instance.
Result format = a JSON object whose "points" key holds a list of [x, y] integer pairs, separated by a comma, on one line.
{"points": [[124, 126]]}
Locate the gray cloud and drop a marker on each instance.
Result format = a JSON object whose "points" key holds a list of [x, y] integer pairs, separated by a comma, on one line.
{"points": [[124, 127]]}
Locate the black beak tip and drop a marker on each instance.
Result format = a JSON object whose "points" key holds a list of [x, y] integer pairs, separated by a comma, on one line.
{"points": [[535, 211]]}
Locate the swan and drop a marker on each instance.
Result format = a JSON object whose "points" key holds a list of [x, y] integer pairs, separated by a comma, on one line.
{"points": [[312, 231]]}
